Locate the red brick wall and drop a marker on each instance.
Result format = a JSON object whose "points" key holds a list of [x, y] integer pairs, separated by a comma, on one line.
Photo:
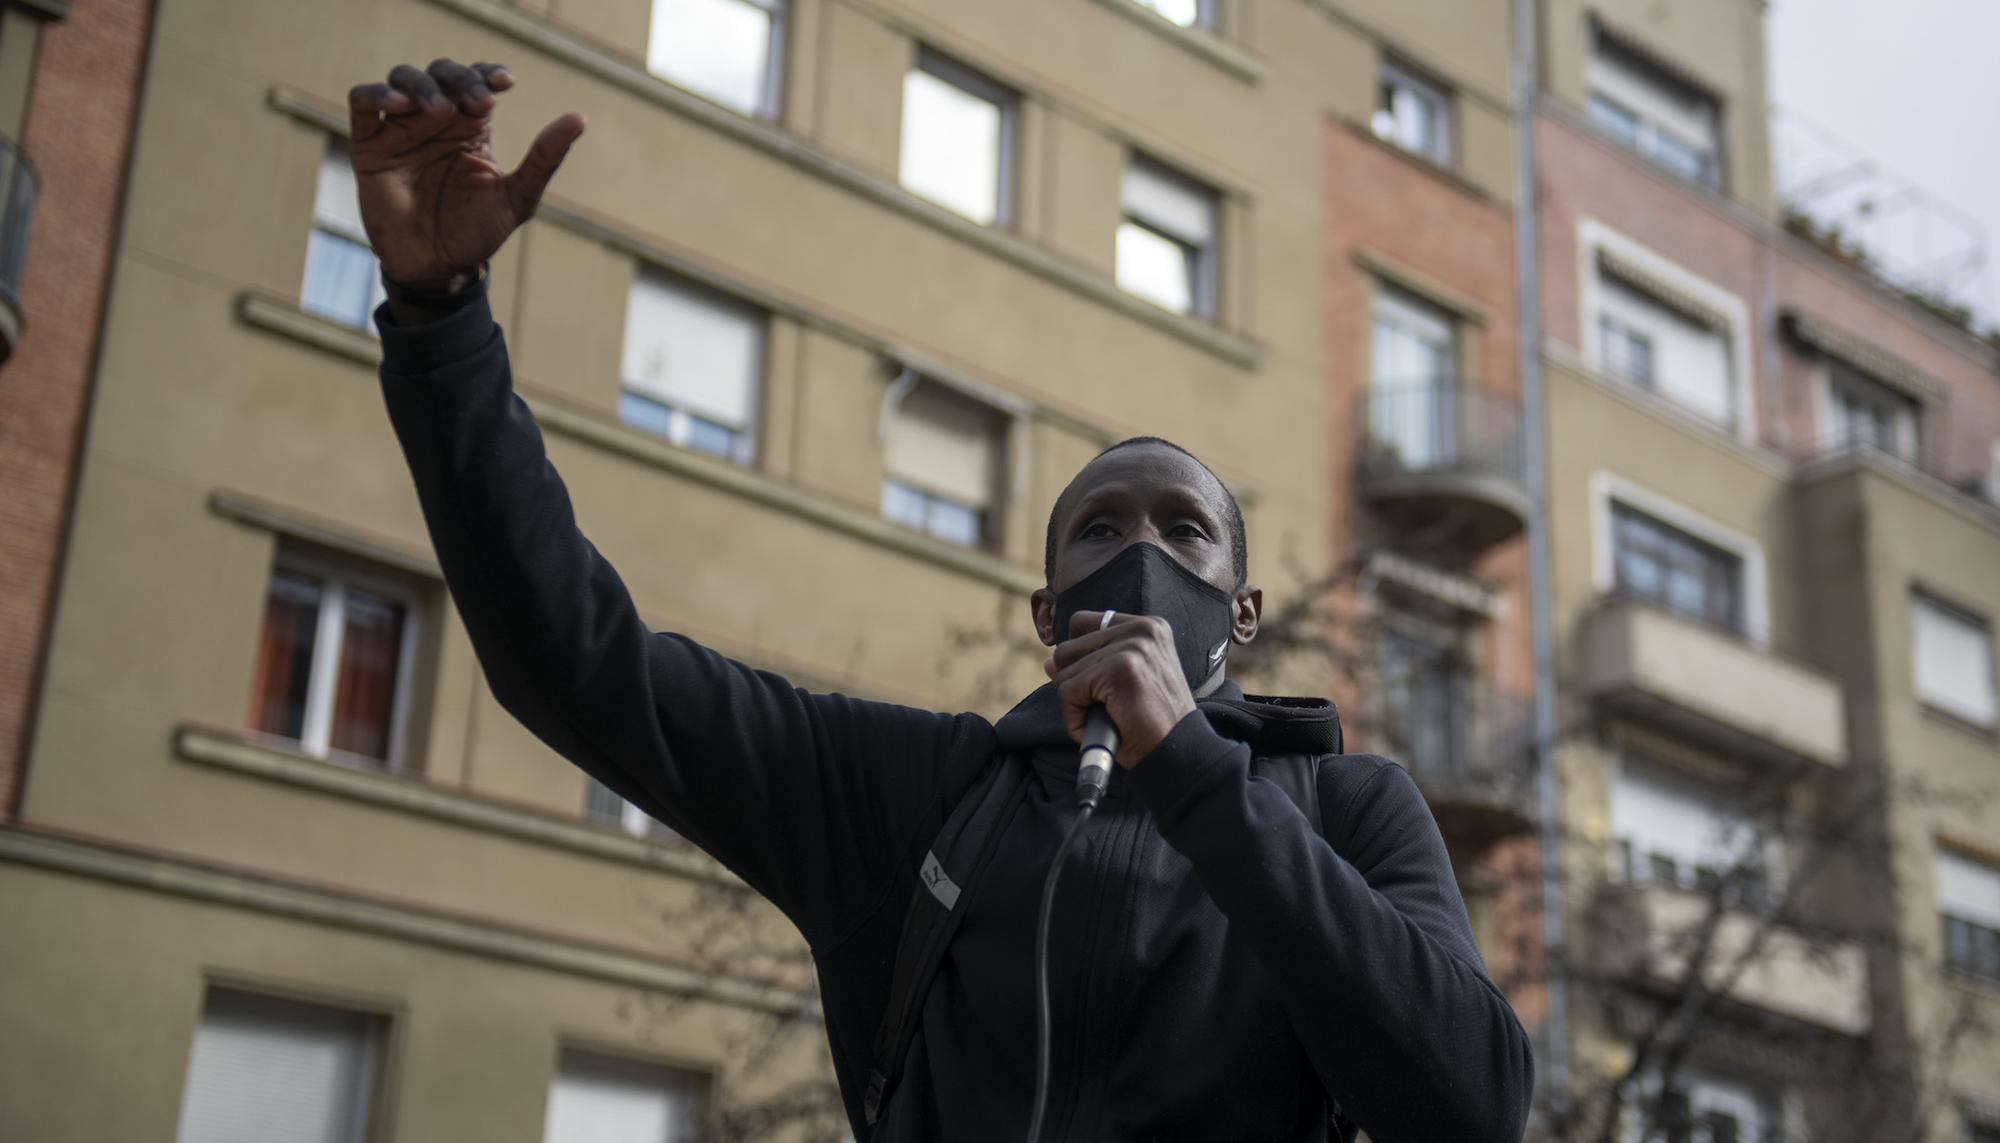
{"points": [[77, 133]]}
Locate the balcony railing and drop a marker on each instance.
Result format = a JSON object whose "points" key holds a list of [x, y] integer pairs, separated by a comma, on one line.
{"points": [[1443, 462], [18, 188], [1469, 746]]}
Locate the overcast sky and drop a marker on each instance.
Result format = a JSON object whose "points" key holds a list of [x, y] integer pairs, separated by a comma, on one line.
{"points": [[1916, 84]]}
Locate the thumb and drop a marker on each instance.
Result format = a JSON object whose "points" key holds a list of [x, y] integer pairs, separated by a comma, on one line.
{"points": [[526, 184]]}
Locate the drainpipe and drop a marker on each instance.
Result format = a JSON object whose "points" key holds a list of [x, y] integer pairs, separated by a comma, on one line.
{"points": [[1554, 1069]]}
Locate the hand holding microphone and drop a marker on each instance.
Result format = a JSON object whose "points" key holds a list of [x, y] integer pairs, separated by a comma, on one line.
{"points": [[1121, 685]]}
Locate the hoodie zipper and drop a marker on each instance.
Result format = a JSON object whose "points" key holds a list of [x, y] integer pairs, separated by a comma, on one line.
{"points": [[1111, 873]]}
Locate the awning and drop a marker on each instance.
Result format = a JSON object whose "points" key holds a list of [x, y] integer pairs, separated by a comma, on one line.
{"points": [[1825, 337], [1674, 297]]}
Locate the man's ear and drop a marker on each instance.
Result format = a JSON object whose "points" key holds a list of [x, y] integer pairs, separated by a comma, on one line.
{"points": [[1247, 610], [1042, 605]]}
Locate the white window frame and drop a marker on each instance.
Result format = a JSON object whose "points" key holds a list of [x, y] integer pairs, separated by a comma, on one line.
{"points": [[1421, 87], [1595, 236], [316, 734], [1607, 488], [1205, 285], [770, 99], [1921, 597], [1906, 428], [949, 71]]}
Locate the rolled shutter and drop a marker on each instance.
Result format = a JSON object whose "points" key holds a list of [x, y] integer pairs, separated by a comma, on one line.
{"points": [[277, 1071], [946, 444]]}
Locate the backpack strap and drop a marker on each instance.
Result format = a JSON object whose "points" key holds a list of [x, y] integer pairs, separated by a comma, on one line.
{"points": [[950, 869]]}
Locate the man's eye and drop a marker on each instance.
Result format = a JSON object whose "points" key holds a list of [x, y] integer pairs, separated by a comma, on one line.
{"points": [[1098, 528], [1188, 530]]}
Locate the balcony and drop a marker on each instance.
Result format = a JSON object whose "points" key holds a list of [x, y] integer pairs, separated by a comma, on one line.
{"points": [[1443, 464], [1711, 686], [18, 187], [1470, 749], [1645, 935]]}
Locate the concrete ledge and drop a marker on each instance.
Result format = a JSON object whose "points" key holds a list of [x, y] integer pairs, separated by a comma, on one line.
{"points": [[232, 752], [620, 73], [1202, 42], [271, 517], [472, 936], [286, 319]]}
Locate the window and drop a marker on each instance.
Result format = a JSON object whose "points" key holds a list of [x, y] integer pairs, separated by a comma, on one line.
{"points": [[1413, 355], [1669, 568], [602, 1099], [1953, 653], [602, 804], [958, 139], [693, 364], [943, 465], [727, 50], [1672, 828], [1655, 346], [1968, 895], [1864, 413], [1413, 113], [343, 279], [334, 662], [277, 1071], [1657, 115], [1186, 13], [1166, 245], [1699, 1108], [1426, 692]]}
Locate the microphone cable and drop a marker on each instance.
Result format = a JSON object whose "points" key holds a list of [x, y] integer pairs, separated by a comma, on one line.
{"points": [[1100, 743]]}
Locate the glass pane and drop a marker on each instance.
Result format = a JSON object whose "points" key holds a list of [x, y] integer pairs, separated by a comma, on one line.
{"points": [[601, 803], [371, 645], [284, 655], [645, 414], [902, 504], [709, 437], [720, 48], [1680, 156], [953, 522], [1615, 120], [951, 146], [1156, 267], [1186, 13], [343, 280]]}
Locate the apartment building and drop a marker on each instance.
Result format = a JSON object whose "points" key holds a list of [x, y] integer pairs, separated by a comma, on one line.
{"points": [[1775, 542], [273, 830]]}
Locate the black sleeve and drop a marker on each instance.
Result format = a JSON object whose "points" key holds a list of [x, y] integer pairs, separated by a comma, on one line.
{"points": [[807, 797], [1366, 935]]}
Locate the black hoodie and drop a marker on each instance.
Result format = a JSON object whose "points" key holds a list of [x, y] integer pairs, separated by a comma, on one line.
{"points": [[1218, 968]]}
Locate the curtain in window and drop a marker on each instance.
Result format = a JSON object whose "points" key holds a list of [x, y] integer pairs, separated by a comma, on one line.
{"points": [[284, 655], [370, 647]]}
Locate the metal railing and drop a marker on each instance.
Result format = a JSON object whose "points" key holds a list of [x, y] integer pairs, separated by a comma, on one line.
{"points": [[1439, 425], [19, 187]]}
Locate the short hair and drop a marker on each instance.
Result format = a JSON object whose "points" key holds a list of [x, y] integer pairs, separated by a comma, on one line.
{"points": [[1232, 513]]}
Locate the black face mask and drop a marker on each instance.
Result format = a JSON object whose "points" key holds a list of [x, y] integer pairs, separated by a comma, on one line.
{"points": [[1145, 580]]}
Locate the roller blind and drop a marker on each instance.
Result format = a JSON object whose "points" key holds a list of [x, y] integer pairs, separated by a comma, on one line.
{"points": [[1169, 203], [599, 1099], [277, 1071], [336, 201], [947, 444], [1967, 889], [1687, 115], [693, 348], [1954, 660]]}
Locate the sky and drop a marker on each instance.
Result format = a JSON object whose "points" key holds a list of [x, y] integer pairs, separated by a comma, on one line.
{"points": [[1914, 84]]}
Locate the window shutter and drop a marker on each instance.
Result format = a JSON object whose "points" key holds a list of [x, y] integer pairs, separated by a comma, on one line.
{"points": [[693, 348], [1967, 889], [945, 444], [336, 201], [1169, 203], [276, 1071], [598, 1099], [1954, 660]]}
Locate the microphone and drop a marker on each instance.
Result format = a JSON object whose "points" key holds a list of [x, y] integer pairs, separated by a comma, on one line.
{"points": [[1100, 745]]}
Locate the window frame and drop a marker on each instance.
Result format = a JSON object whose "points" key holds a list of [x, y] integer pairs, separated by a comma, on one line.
{"points": [[1394, 74], [1842, 383], [339, 230], [969, 80], [1607, 50], [679, 433], [1005, 413], [1607, 488], [617, 1058], [630, 819], [770, 100], [1204, 302], [337, 575], [375, 1043], [1204, 15], [1668, 546], [1628, 864]]}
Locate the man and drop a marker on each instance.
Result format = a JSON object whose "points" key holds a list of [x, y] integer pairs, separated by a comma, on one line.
{"points": [[1225, 968]]}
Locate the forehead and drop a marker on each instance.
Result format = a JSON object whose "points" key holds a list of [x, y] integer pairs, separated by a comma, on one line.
{"points": [[1147, 471]]}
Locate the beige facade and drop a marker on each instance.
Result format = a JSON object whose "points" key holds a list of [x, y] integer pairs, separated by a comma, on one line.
{"points": [[453, 897], [1736, 565]]}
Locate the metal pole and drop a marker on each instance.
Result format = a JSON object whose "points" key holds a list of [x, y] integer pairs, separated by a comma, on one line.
{"points": [[1554, 1071]]}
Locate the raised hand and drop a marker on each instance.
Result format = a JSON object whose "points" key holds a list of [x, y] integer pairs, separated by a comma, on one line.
{"points": [[434, 201]]}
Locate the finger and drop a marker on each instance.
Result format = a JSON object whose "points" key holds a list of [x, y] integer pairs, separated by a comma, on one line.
{"points": [[1123, 627], [463, 86], [421, 88], [532, 177], [496, 76], [368, 102], [1086, 621]]}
